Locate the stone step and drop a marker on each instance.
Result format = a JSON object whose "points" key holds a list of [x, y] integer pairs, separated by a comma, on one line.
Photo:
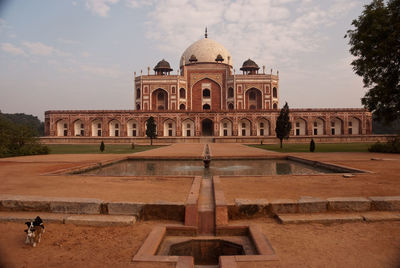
{"points": [[326, 218], [88, 220]]}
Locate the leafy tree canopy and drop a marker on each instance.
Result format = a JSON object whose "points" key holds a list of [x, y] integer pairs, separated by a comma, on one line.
{"points": [[375, 42], [26, 120], [18, 139]]}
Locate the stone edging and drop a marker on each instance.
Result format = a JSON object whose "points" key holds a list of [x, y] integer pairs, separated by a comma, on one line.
{"points": [[245, 208], [145, 211]]}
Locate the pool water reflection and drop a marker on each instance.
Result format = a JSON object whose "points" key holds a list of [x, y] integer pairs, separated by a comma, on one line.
{"points": [[196, 168]]}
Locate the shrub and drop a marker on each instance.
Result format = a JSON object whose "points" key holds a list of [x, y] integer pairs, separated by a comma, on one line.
{"points": [[392, 146]]}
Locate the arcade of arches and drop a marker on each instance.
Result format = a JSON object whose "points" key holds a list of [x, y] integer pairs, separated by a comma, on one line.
{"points": [[172, 125]]}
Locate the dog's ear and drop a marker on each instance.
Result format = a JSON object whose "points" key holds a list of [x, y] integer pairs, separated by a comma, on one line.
{"points": [[28, 223], [38, 221]]}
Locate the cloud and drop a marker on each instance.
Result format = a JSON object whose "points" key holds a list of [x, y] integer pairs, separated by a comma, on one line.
{"points": [[38, 48], [68, 42], [11, 49], [101, 71], [139, 3], [3, 25], [269, 31], [100, 7]]}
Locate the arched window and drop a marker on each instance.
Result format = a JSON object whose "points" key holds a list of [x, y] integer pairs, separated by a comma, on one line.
{"points": [[275, 92], [182, 93], [160, 107], [137, 106], [206, 107], [138, 93], [206, 93], [230, 92], [230, 106], [252, 95], [160, 96], [182, 107], [275, 106], [173, 90]]}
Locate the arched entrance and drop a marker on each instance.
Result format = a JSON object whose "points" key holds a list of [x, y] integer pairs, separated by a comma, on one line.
{"points": [[207, 127]]}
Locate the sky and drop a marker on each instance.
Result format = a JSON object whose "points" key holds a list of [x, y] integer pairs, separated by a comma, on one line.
{"points": [[82, 55]]}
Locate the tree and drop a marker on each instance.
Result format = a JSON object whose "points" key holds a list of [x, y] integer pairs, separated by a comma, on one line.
{"points": [[102, 146], [18, 139], [375, 42], [312, 145], [26, 120], [283, 125], [151, 129]]}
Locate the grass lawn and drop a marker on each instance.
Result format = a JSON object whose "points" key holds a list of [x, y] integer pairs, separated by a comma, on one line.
{"points": [[95, 148], [319, 147]]}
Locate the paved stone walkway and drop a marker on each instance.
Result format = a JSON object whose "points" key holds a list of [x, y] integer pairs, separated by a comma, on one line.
{"points": [[183, 150]]}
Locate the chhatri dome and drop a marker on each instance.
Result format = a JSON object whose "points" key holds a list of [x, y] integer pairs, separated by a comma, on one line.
{"points": [[206, 50]]}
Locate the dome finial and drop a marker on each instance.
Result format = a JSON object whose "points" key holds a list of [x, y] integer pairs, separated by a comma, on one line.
{"points": [[206, 35]]}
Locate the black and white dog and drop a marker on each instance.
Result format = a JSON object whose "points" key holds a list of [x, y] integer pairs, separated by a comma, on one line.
{"points": [[34, 231]]}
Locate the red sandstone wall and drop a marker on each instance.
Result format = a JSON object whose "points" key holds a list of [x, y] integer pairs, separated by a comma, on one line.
{"points": [[215, 95]]}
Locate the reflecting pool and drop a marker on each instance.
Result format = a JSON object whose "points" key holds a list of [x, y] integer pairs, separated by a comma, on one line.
{"points": [[217, 167]]}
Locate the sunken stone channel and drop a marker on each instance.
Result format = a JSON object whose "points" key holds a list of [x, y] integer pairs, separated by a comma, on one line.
{"points": [[206, 251]]}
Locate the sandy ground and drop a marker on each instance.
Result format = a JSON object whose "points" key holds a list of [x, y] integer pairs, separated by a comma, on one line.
{"points": [[309, 245], [383, 181], [16, 173], [73, 246]]}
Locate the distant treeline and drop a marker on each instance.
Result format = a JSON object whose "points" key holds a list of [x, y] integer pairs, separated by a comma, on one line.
{"points": [[19, 135], [26, 120]]}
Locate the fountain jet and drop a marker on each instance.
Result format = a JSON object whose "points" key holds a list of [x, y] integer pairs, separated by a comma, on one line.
{"points": [[207, 157]]}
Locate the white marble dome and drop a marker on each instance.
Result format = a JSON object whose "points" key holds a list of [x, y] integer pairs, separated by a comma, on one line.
{"points": [[206, 50]]}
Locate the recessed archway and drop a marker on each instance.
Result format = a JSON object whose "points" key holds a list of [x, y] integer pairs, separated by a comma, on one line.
{"points": [[254, 99], [207, 127], [354, 126], [263, 127], [300, 127], [114, 128], [62, 128], [169, 128], [160, 99], [225, 127], [97, 128], [244, 127], [79, 128]]}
